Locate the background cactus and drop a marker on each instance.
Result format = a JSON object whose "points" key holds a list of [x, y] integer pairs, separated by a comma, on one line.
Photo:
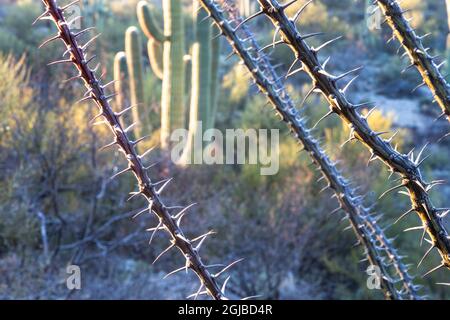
{"points": [[154, 51], [202, 70], [133, 47], [120, 73], [215, 78], [172, 40], [202, 83], [447, 5], [246, 7], [367, 34]]}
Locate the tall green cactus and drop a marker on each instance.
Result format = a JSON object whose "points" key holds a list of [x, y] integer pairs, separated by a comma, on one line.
{"points": [[204, 81], [245, 8], [203, 73], [367, 33], [135, 70], [172, 39], [215, 64], [201, 67], [447, 6], [120, 70]]}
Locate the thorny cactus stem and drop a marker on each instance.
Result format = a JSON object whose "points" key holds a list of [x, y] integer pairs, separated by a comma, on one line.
{"points": [[405, 165], [364, 225], [147, 188], [418, 54]]}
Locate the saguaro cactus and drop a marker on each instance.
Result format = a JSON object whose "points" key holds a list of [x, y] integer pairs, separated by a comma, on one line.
{"points": [[172, 39], [133, 47], [201, 66], [120, 70], [154, 51], [203, 73], [369, 19], [201, 81], [215, 78], [447, 5], [245, 7]]}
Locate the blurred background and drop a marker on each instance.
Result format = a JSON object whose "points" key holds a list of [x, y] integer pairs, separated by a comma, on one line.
{"points": [[59, 207]]}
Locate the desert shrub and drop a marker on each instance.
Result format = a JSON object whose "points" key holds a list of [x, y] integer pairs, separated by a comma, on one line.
{"points": [[50, 171]]}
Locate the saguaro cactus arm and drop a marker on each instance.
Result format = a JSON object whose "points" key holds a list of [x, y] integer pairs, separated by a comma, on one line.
{"points": [[120, 67], [149, 190], [406, 166], [201, 67], [148, 23], [418, 54], [215, 78], [155, 56], [173, 85], [364, 226]]}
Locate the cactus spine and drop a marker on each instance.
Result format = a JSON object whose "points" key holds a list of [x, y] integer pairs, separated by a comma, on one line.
{"points": [[406, 166], [168, 220], [418, 54], [173, 43], [365, 227], [135, 66]]}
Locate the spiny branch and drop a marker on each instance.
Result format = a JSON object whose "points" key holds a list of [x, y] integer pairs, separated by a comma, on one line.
{"points": [[382, 149], [365, 228], [147, 188], [418, 53]]}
